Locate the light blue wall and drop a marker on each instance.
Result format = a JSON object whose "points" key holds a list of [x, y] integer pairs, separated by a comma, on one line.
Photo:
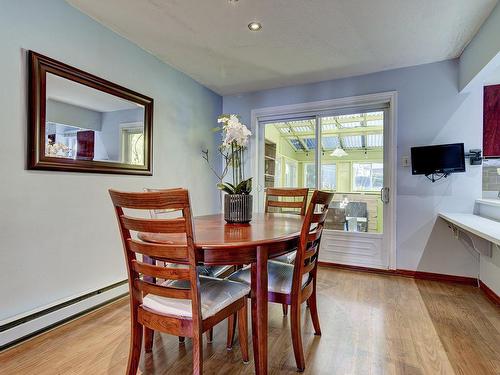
{"points": [[111, 128], [430, 110], [58, 233]]}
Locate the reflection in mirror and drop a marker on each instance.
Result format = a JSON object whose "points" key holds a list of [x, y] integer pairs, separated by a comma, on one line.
{"points": [[87, 124]]}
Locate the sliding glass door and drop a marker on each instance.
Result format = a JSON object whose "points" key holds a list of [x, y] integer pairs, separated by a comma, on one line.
{"points": [[352, 165], [340, 151]]}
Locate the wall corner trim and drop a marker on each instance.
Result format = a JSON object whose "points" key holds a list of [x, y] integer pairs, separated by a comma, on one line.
{"points": [[492, 296]]}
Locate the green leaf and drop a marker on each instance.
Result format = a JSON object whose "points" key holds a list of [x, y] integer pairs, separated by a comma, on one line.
{"points": [[244, 187], [249, 185], [230, 185], [226, 188]]}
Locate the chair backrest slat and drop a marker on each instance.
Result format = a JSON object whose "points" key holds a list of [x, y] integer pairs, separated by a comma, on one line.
{"points": [[155, 200], [165, 251], [314, 235], [175, 244], [287, 192], [154, 225], [291, 198], [284, 204], [156, 213], [161, 272], [319, 218], [311, 252], [308, 268], [306, 261]]}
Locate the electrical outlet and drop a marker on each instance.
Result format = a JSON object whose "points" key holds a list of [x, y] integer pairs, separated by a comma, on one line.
{"points": [[405, 161]]}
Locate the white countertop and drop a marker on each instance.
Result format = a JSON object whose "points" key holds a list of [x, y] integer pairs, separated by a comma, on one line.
{"points": [[489, 201], [486, 228]]}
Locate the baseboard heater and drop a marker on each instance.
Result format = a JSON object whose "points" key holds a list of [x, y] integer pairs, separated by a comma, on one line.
{"points": [[18, 330]]}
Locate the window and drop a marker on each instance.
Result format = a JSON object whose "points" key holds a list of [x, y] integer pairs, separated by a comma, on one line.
{"points": [[277, 172], [290, 173], [309, 175], [367, 176], [328, 177], [133, 146]]}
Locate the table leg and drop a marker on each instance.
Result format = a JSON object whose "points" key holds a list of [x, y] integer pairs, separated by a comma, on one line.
{"points": [[259, 310]]}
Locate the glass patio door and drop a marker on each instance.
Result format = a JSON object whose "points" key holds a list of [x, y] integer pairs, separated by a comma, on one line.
{"points": [[342, 152], [352, 165]]}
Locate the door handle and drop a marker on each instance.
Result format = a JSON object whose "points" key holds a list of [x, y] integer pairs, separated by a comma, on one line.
{"points": [[384, 195]]}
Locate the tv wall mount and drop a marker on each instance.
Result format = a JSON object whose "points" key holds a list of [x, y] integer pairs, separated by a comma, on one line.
{"points": [[475, 158]]}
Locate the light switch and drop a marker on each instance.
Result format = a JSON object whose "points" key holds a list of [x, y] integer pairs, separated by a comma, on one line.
{"points": [[405, 161]]}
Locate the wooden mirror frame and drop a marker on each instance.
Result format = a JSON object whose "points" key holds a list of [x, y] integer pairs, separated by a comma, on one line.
{"points": [[39, 66]]}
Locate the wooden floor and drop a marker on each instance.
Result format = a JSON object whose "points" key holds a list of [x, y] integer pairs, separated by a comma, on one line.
{"points": [[371, 324]]}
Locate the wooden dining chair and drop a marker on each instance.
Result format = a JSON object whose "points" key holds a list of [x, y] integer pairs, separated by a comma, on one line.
{"points": [[220, 272], [295, 284], [185, 304], [290, 201]]}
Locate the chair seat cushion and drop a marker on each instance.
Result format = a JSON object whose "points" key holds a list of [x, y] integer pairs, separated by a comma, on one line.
{"points": [[280, 277], [215, 295], [287, 258]]}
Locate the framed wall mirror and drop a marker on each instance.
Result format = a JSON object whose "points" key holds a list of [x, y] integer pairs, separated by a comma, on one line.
{"points": [[83, 123]]}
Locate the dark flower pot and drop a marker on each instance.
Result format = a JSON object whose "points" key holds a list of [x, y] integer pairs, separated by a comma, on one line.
{"points": [[238, 208]]}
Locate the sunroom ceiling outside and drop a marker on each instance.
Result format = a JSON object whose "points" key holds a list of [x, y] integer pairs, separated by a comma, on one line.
{"points": [[355, 131]]}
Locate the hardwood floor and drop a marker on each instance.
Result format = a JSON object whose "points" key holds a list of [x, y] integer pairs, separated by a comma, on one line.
{"points": [[371, 324]]}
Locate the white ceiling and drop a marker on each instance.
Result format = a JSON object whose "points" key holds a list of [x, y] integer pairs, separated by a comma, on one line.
{"points": [[301, 40], [494, 77], [70, 92]]}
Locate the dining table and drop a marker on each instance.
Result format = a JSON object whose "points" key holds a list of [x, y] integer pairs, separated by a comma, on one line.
{"points": [[268, 235]]}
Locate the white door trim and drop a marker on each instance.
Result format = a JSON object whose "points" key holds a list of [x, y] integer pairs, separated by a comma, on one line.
{"points": [[390, 138]]}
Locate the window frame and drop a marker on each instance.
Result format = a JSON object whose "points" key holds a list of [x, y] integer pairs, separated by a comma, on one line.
{"points": [[288, 160], [320, 185], [127, 129], [353, 177]]}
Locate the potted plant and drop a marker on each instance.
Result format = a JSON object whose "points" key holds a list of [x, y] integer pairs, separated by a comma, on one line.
{"points": [[237, 200]]}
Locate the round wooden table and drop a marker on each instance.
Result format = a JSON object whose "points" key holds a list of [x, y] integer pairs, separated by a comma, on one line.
{"points": [[267, 236]]}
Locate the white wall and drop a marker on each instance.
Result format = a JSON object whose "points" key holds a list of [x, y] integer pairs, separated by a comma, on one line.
{"points": [[485, 46], [430, 110], [58, 235]]}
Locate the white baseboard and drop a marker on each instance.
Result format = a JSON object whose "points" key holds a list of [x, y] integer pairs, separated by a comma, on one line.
{"points": [[40, 323]]}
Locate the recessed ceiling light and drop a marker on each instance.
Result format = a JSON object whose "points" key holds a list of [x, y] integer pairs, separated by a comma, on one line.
{"points": [[254, 26]]}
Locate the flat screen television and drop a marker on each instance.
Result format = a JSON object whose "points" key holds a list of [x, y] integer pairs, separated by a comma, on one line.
{"points": [[438, 159]]}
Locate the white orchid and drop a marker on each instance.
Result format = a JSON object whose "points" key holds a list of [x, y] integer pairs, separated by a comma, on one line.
{"points": [[235, 138], [234, 131]]}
